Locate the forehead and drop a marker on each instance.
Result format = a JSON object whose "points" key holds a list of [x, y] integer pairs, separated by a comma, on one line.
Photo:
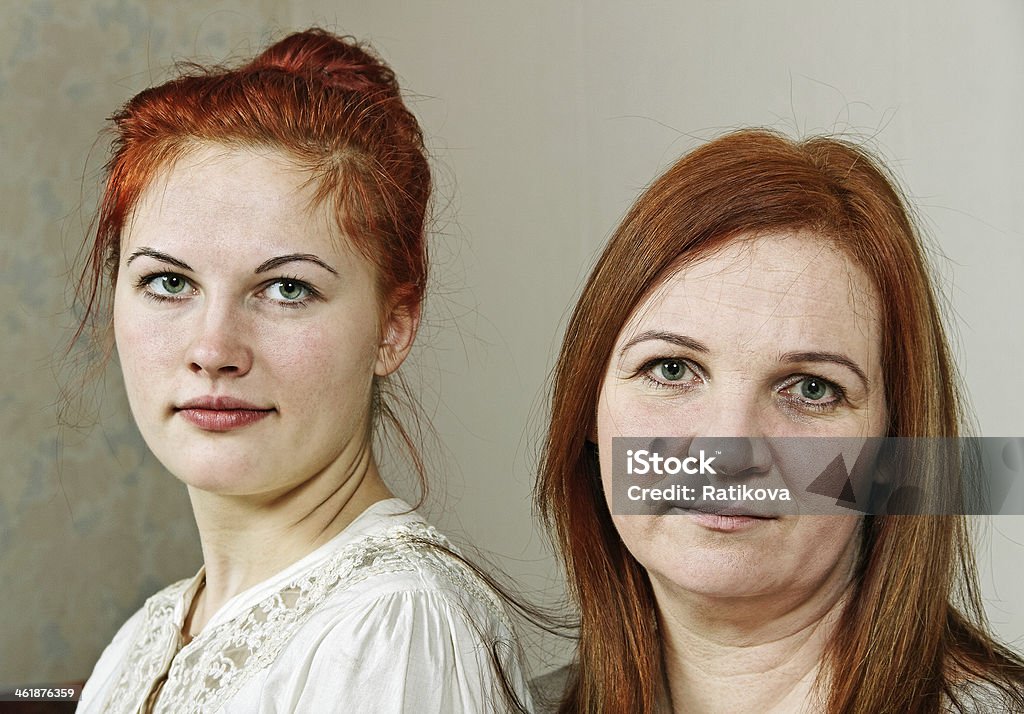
{"points": [[760, 290], [215, 196]]}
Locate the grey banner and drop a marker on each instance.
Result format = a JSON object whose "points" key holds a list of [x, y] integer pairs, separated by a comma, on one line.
{"points": [[777, 476]]}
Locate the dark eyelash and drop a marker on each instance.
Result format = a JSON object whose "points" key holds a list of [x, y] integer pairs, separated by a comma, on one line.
{"points": [[143, 282], [839, 392], [314, 294], [645, 372]]}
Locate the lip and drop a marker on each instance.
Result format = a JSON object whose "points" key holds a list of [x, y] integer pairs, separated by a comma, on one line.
{"points": [[720, 508], [221, 413], [723, 517], [727, 523], [220, 403]]}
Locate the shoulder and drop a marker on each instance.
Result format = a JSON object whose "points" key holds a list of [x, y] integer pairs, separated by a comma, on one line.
{"points": [[117, 655], [112, 658], [405, 581], [413, 649], [410, 627], [406, 555]]}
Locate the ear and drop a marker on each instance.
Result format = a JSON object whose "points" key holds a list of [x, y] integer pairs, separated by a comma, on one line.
{"points": [[397, 335]]}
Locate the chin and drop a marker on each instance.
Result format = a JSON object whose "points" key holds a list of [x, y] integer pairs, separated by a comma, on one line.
{"points": [[222, 473], [733, 569], [223, 483], [713, 580]]}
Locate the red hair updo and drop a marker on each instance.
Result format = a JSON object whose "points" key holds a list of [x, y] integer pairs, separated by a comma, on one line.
{"points": [[326, 102]]}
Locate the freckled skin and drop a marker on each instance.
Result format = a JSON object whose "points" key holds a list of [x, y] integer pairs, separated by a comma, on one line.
{"points": [[750, 303], [224, 212]]}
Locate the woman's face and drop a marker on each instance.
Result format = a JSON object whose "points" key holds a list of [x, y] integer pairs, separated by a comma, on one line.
{"points": [[772, 336], [248, 331]]}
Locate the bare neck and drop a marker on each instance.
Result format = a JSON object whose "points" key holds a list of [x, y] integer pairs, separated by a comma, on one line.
{"points": [[747, 654], [247, 539]]}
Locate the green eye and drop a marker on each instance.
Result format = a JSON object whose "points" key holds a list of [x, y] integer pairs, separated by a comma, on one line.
{"points": [[172, 284], [288, 291], [672, 370], [814, 389], [291, 291], [164, 285]]}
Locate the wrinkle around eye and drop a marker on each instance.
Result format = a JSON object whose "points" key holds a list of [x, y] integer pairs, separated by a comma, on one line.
{"points": [[837, 393], [651, 374]]}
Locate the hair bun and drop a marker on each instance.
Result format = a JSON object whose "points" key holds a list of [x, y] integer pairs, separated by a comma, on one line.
{"points": [[335, 60]]}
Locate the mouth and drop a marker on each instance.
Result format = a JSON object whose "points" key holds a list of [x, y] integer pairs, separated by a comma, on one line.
{"points": [[718, 508], [221, 413], [725, 518]]}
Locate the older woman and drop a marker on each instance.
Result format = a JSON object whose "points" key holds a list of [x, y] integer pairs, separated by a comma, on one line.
{"points": [[762, 288], [262, 230]]}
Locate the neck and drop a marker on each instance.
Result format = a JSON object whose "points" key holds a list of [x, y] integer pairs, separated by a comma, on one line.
{"points": [[247, 539], [729, 655]]}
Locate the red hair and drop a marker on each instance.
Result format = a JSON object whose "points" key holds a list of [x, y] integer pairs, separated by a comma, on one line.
{"points": [[326, 102], [334, 109], [908, 636]]}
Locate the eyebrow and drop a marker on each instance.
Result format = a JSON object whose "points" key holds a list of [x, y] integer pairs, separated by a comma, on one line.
{"points": [[262, 268], [671, 337], [833, 357], [157, 255], [292, 258], [789, 357]]}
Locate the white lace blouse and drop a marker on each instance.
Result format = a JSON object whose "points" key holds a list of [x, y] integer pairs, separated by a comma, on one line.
{"points": [[376, 620]]}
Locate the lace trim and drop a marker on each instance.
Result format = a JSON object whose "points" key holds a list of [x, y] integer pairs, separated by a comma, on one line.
{"points": [[208, 671]]}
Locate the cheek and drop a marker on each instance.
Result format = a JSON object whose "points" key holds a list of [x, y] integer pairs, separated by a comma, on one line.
{"points": [[621, 413], [618, 415], [321, 359], [145, 347], [641, 535], [819, 543]]}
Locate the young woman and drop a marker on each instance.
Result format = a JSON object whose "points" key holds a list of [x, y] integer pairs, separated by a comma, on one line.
{"points": [[262, 231], [763, 288]]}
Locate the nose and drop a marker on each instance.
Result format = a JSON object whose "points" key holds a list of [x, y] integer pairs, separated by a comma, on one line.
{"points": [[735, 437], [220, 346], [735, 456]]}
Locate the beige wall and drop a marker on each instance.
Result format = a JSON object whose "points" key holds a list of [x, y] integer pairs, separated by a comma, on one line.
{"points": [[546, 119]]}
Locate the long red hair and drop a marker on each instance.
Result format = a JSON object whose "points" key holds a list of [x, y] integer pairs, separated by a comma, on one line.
{"points": [[913, 629]]}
